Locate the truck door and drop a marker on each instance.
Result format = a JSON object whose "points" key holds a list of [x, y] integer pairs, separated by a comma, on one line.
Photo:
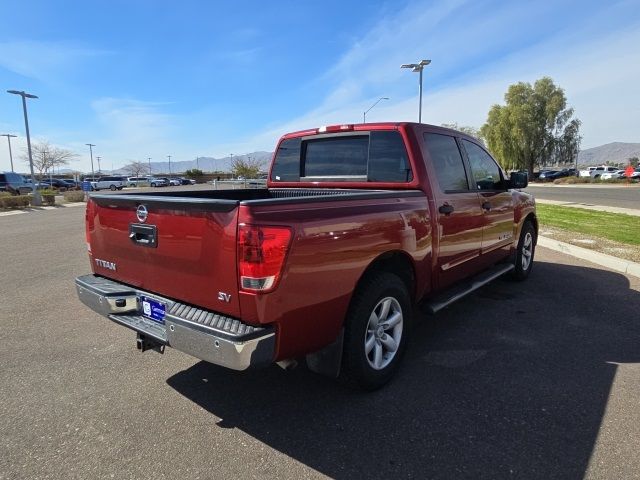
{"points": [[496, 203], [457, 209]]}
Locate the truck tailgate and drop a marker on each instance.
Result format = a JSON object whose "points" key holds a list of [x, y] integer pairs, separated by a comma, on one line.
{"points": [[182, 248]]}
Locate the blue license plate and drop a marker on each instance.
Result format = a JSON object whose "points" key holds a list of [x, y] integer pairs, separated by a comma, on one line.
{"points": [[153, 309]]}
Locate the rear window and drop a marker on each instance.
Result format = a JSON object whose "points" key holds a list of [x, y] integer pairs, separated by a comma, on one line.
{"points": [[3, 179], [378, 156]]}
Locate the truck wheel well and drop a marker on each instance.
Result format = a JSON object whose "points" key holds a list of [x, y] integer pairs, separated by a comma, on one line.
{"points": [[393, 262], [534, 220]]}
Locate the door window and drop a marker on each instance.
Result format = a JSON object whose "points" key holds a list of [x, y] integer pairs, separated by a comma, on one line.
{"points": [[484, 169], [447, 162]]}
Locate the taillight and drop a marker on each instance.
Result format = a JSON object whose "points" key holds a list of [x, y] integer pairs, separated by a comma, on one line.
{"points": [[261, 254]]}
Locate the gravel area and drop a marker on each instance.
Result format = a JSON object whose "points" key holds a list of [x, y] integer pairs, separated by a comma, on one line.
{"points": [[602, 245]]}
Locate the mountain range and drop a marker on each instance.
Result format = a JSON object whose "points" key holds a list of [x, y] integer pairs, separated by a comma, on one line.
{"points": [[615, 152]]}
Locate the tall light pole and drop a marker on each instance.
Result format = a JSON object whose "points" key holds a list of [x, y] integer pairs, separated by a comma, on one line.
{"points": [[99, 168], [37, 200], [364, 115], [169, 166], [418, 67], [9, 137], [197, 163], [149, 159], [93, 174]]}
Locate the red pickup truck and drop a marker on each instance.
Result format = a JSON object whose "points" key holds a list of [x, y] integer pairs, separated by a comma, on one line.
{"points": [[358, 223]]}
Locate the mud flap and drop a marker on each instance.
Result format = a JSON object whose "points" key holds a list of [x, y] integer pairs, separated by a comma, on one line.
{"points": [[327, 361]]}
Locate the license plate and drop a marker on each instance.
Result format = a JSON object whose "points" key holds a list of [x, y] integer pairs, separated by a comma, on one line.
{"points": [[153, 309]]}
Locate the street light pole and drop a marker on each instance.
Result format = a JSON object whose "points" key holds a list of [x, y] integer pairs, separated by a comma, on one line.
{"points": [[99, 168], [37, 200], [364, 115], [169, 166], [9, 137], [418, 67], [93, 175], [149, 159]]}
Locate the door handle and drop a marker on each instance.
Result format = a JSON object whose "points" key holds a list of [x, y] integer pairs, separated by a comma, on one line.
{"points": [[446, 209], [486, 206]]}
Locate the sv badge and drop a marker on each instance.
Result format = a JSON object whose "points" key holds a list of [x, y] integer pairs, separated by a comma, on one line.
{"points": [[224, 297]]}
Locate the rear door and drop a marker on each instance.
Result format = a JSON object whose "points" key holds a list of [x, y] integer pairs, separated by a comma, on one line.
{"points": [[496, 202], [457, 208], [182, 248]]}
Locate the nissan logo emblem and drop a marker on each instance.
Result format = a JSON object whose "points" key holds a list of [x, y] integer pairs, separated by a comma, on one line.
{"points": [[142, 213]]}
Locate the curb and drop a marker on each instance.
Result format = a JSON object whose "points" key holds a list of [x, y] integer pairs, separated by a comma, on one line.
{"points": [[609, 261]]}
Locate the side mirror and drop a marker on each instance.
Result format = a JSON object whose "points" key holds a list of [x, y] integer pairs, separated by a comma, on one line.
{"points": [[519, 180]]}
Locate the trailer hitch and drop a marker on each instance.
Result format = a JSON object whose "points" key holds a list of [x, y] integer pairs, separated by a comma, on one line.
{"points": [[145, 343]]}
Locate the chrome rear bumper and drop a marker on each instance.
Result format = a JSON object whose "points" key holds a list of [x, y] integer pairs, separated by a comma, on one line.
{"points": [[203, 334]]}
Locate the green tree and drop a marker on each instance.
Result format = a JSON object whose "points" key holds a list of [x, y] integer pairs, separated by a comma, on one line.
{"points": [[245, 167], [634, 162], [535, 127], [472, 131], [194, 173]]}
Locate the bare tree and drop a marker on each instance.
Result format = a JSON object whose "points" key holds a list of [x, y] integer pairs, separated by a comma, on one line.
{"points": [[46, 157], [137, 169]]}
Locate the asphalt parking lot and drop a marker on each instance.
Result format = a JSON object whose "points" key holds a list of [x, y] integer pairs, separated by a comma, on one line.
{"points": [[539, 379]]}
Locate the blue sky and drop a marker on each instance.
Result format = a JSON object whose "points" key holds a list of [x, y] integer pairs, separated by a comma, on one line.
{"points": [[190, 79]]}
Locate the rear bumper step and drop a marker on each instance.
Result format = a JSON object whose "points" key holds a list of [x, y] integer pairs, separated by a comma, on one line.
{"points": [[203, 334]]}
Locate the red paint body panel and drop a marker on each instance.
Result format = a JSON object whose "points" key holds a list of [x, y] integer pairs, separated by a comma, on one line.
{"points": [[333, 243]]}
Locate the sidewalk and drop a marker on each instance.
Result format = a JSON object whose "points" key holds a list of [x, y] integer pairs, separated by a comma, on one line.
{"points": [[7, 213]]}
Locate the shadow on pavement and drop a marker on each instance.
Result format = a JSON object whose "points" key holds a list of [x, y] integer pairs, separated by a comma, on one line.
{"points": [[512, 381]]}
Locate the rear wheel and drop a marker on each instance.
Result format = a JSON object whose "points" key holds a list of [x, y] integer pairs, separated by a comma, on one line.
{"points": [[376, 331], [153, 184], [112, 188], [525, 251]]}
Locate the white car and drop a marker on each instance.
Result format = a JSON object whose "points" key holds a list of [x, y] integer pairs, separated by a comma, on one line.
{"points": [[586, 173], [611, 175], [175, 182], [111, 182], [599, 171]]}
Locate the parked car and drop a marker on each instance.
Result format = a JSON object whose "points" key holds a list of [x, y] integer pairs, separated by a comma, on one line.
{"points": [[598, 171], [135, 181], [618, 174], [158, 182], [111, 182], [357, 225], [187, 181], [14, 183], [175, 182], [555, 174], [547, 174], [587, 172], [58, 183]]}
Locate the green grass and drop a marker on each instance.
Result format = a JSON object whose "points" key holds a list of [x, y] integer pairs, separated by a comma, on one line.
{"points": [[612, 226]]}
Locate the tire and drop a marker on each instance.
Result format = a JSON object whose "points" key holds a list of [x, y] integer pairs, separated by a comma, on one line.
{"points": [[113, 188], [380, 295], [153, 185], [525, 252]]}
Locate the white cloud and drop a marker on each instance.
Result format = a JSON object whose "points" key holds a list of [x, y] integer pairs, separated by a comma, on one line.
{"points": [[598, 70]]}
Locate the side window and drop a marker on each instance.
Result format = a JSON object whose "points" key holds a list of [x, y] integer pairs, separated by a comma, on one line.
{"points": [[484, 169], [286, 164], [388, 161], [447, 162]]}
